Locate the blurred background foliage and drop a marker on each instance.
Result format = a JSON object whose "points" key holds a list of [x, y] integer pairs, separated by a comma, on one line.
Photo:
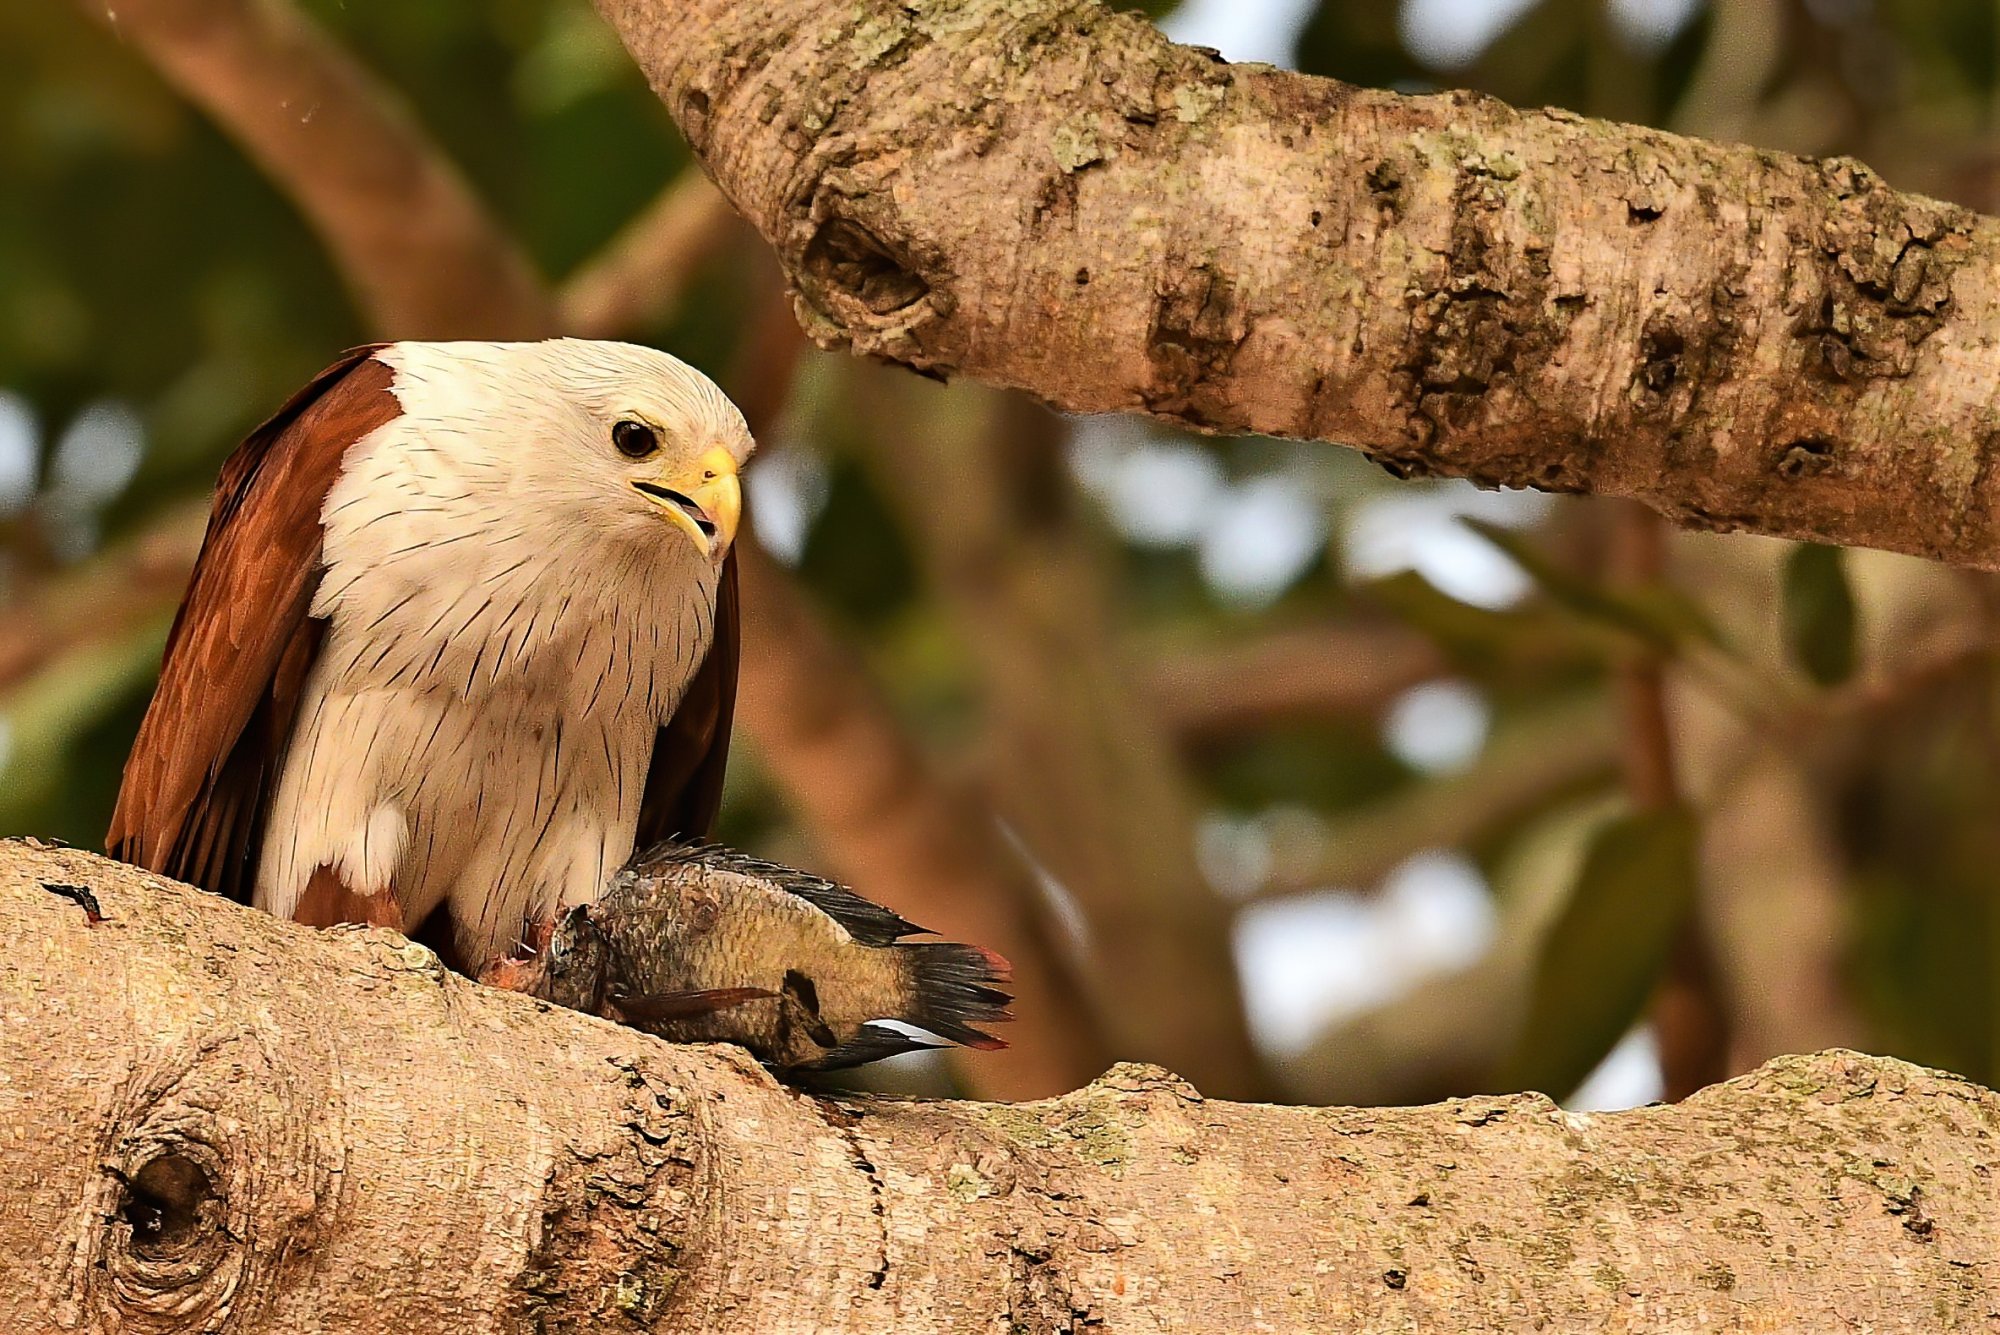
{"points": [[1483, 789]]}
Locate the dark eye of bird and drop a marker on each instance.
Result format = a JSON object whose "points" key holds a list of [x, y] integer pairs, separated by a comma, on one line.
{"points": [[635, 440]]}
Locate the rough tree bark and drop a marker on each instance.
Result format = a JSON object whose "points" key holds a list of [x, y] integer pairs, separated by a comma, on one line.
{"points": [[216, 1121], [1049, 195]]}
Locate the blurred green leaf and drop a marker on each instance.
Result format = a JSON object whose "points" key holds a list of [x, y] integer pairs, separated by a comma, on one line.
{"points": [[1819, 613], [66, 731], [1662, 617], [856, 558], [1914, 820], [1606, 949], [1327, 766], [1475, 635]]}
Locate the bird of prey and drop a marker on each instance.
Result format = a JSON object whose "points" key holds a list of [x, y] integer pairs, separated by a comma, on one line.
{"points": [[462, 634]]}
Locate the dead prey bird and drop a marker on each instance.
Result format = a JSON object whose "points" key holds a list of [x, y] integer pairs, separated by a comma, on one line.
{"points": [[702, 944]]}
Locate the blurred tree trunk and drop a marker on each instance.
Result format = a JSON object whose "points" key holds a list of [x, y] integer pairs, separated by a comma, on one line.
{"points": [[1050, 195], [1082, 767], [1689, 1018], [330, 1132]]}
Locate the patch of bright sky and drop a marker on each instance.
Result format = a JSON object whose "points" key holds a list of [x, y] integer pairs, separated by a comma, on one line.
{"points": [[1234, 852], [1159, 491], [1451, 34], [1649, 25], [1417, 528], [1260, 537], [1628, 1077], [18, 448], [98, 453], [1311, 960], [1438, 727], [787, 489], [1242, 30], [1256, 536], [92, 461], [1252, 538]]}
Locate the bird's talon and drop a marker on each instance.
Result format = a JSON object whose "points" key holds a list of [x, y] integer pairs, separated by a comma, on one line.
{"points": [[512, 973]]}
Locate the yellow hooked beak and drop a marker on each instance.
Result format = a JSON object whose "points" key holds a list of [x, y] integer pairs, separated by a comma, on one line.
{"points": [[705, 503]]}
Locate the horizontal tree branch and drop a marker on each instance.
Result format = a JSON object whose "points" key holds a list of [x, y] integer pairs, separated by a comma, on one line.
{"points": [[1334, 671], [1050, 195], [216, 1120]]}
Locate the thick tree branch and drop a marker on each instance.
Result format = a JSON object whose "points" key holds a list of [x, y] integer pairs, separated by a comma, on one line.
{"points": [[1049, 195], [216, 1120]]}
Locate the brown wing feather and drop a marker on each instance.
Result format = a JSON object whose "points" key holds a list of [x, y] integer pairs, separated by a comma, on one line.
{"points": [[202, 768], [684, 780]]}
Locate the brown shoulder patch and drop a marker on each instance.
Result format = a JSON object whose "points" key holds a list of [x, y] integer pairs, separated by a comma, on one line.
{"points": [[199, 778]]}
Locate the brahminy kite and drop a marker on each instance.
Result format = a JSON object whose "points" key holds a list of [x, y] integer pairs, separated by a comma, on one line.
{"points": [[462, 635]]}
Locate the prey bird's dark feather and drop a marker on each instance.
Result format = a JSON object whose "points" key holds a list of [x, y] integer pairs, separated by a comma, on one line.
{"points": [[865, 920]]}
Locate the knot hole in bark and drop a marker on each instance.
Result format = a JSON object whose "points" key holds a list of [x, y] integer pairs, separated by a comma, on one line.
{"points": [[218, 1167], [847, 263], [171, 1205], [695, 106], [169, 1248], [1660, 352], [1807, 457]]}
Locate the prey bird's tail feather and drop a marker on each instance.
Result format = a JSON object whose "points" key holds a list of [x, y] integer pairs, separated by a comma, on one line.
{"points": [[953, 988], [871, 1043]]}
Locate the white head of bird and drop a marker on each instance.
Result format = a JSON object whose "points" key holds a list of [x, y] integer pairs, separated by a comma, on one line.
{"points": [[591, 482], [593, 440]]}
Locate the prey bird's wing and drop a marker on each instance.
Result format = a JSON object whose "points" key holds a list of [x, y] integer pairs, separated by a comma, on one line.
{"points": [[207, 757], [863, 919], [684, 780]]}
